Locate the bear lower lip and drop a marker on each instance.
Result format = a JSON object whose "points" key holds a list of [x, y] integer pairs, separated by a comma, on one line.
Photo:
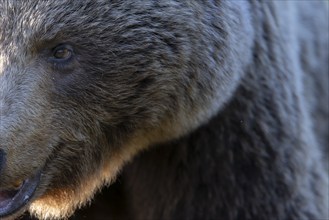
{"points": [[13, 200], [6, 196]]}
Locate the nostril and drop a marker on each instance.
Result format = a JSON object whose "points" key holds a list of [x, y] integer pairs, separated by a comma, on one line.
{"points": [[2, 160]]}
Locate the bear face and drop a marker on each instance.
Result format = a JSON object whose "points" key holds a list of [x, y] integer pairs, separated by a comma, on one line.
{"points": [[86, 85]]}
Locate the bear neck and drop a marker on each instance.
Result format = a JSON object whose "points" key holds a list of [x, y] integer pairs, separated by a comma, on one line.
{"points": [[256, 159], [249, 160]]}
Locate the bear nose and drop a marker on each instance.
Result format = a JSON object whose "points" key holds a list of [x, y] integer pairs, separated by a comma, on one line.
{"points": [[2, 160]]}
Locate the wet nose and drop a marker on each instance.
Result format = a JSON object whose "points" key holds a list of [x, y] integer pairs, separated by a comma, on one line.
{"points": [[2, 161]]}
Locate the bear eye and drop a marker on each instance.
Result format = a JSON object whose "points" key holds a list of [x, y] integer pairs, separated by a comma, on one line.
{"points": [[62, 53]]}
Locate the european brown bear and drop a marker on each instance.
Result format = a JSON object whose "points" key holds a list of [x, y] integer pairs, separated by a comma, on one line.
{"points": [[213, 109]]}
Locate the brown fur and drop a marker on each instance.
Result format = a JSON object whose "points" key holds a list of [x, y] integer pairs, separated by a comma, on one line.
{"points": [[150, 73]]}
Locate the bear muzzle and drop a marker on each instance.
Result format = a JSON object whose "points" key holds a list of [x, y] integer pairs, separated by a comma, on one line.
{"points": [[12, 200]]}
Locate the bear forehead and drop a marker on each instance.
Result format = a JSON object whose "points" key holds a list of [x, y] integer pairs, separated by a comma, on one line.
{"points": [[24, 21], [27, 24]]}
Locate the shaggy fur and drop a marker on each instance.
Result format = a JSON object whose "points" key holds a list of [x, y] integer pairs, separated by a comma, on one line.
{"points": [[221, 106]]}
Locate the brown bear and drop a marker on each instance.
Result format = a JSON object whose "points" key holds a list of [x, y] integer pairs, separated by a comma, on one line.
{"points": [[213, 109]]}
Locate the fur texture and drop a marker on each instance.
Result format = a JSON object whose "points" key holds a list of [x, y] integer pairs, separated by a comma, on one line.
{"points": [[221, 107]]}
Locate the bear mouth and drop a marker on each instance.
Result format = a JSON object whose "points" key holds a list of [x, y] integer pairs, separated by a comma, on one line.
{"points": [[13, 200]]}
